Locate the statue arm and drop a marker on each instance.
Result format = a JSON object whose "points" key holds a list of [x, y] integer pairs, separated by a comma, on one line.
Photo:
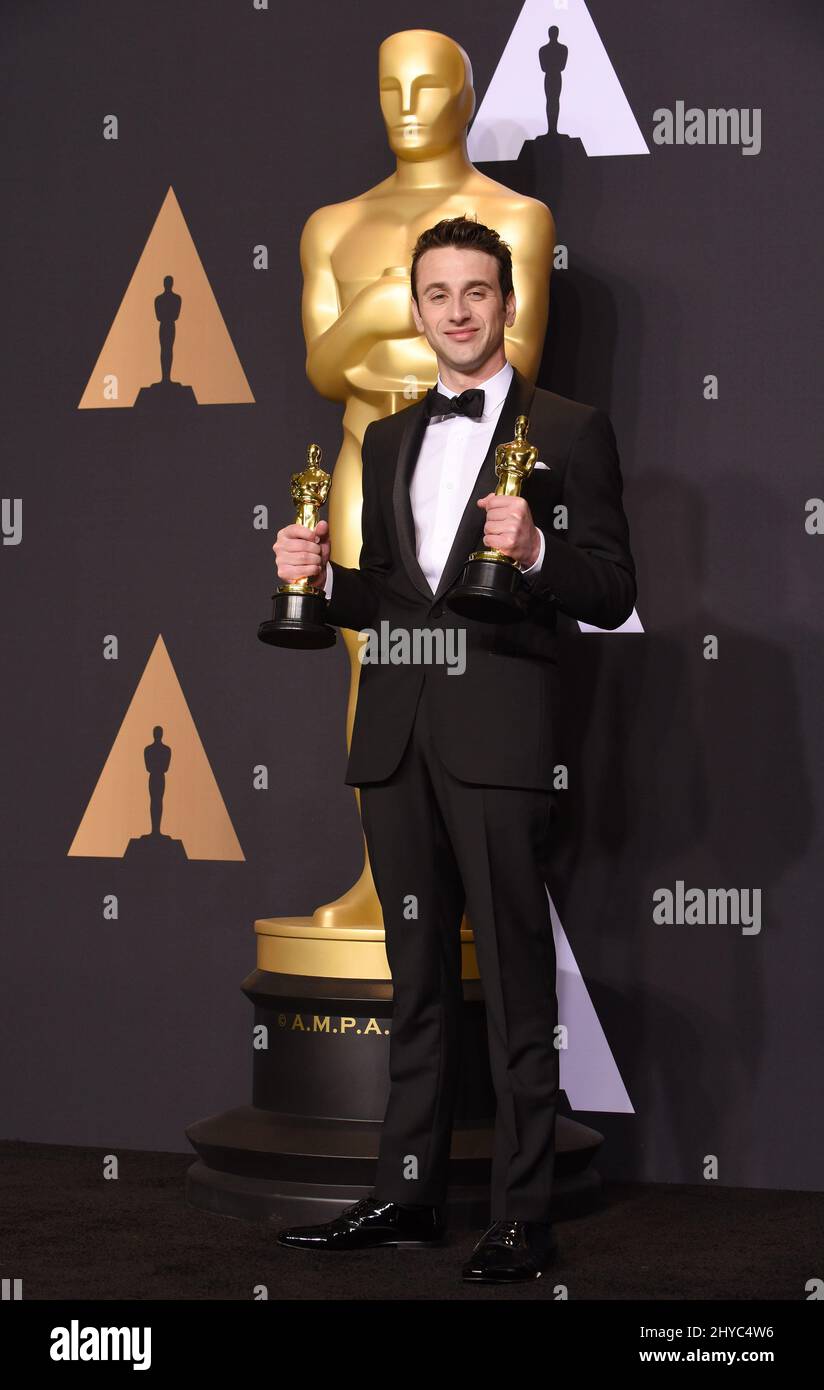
{"points": [[336, 340], [533, 248]]}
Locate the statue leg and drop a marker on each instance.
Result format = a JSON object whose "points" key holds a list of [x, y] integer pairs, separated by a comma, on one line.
{"points": [[359, 905]]}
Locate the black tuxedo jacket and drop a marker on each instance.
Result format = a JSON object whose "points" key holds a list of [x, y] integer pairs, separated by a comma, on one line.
{"points": [[495, 723]]}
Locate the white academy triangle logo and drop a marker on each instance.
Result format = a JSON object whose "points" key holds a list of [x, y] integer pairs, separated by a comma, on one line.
{"points": [[632, 624], [589, 1072], [592, 106]]}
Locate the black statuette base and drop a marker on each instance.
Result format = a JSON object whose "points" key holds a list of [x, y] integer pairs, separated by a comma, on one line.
{"points": [[298, 620], [488, 591]]}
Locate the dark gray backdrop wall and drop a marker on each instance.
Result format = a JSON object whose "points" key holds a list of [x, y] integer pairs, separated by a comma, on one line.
{"points": [[688, 261]]}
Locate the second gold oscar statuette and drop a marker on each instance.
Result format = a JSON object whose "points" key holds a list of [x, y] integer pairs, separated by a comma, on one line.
{"points": [[490, 586], [299, 608]]}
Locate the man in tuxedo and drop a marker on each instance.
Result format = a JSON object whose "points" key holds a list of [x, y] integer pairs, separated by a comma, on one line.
{"points": [[456, 770]]}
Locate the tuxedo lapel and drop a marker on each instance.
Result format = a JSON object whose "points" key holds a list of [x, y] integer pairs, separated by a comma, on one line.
{"points": [[470, 530], [410, 445], [471, 525]]}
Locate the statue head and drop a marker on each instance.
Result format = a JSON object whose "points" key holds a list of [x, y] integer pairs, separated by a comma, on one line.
{"points": [[168, 281], [426, 92]]}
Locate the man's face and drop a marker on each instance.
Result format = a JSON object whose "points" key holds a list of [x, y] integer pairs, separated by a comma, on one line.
{"points": [[459, 308]]}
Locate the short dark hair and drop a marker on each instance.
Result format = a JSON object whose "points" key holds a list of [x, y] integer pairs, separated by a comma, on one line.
{"points": [[470, 233]]}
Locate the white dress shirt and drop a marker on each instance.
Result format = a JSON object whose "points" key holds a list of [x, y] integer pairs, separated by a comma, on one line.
{"points": [[451, 453]]}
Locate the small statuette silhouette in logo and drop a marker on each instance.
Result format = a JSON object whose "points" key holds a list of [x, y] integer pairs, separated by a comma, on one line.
{"points": [[156, 755], [167, 308], [553, 59]]}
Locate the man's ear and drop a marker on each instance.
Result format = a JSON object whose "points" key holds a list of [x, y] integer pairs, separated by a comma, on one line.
{"points": [[416, 316], [511, 308]]}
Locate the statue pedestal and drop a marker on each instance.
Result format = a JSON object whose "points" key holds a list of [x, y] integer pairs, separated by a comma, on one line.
{"points": [[307, 1146]]}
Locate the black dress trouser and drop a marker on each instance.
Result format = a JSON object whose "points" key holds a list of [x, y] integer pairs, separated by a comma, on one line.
{"points": [[437, 844]]}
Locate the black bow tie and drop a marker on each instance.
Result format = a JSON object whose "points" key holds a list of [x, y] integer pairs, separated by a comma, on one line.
{"points": [[469, 403]]}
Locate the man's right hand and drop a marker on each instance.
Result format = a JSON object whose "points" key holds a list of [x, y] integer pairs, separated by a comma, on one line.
{"points": [[302, 554]]}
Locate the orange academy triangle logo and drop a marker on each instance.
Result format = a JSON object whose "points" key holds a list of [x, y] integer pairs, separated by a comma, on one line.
{"points": [[157, 799], [168, 345]]}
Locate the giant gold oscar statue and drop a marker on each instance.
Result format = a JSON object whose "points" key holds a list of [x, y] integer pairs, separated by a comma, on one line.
{"points": [[364, 350]]}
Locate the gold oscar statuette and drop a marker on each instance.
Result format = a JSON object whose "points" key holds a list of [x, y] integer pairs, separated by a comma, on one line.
{"points": [[299, 608], [490, 586]]}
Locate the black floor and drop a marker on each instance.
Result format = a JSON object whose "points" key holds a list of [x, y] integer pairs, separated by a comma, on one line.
{"points": [[70, 1234]]}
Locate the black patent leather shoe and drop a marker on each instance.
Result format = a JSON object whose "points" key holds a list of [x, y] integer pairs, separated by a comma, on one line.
{"points": [[510, 1251], [369, 1223]]}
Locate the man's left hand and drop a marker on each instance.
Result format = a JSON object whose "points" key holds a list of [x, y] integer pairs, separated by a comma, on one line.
{"points": [[509, 528]]}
